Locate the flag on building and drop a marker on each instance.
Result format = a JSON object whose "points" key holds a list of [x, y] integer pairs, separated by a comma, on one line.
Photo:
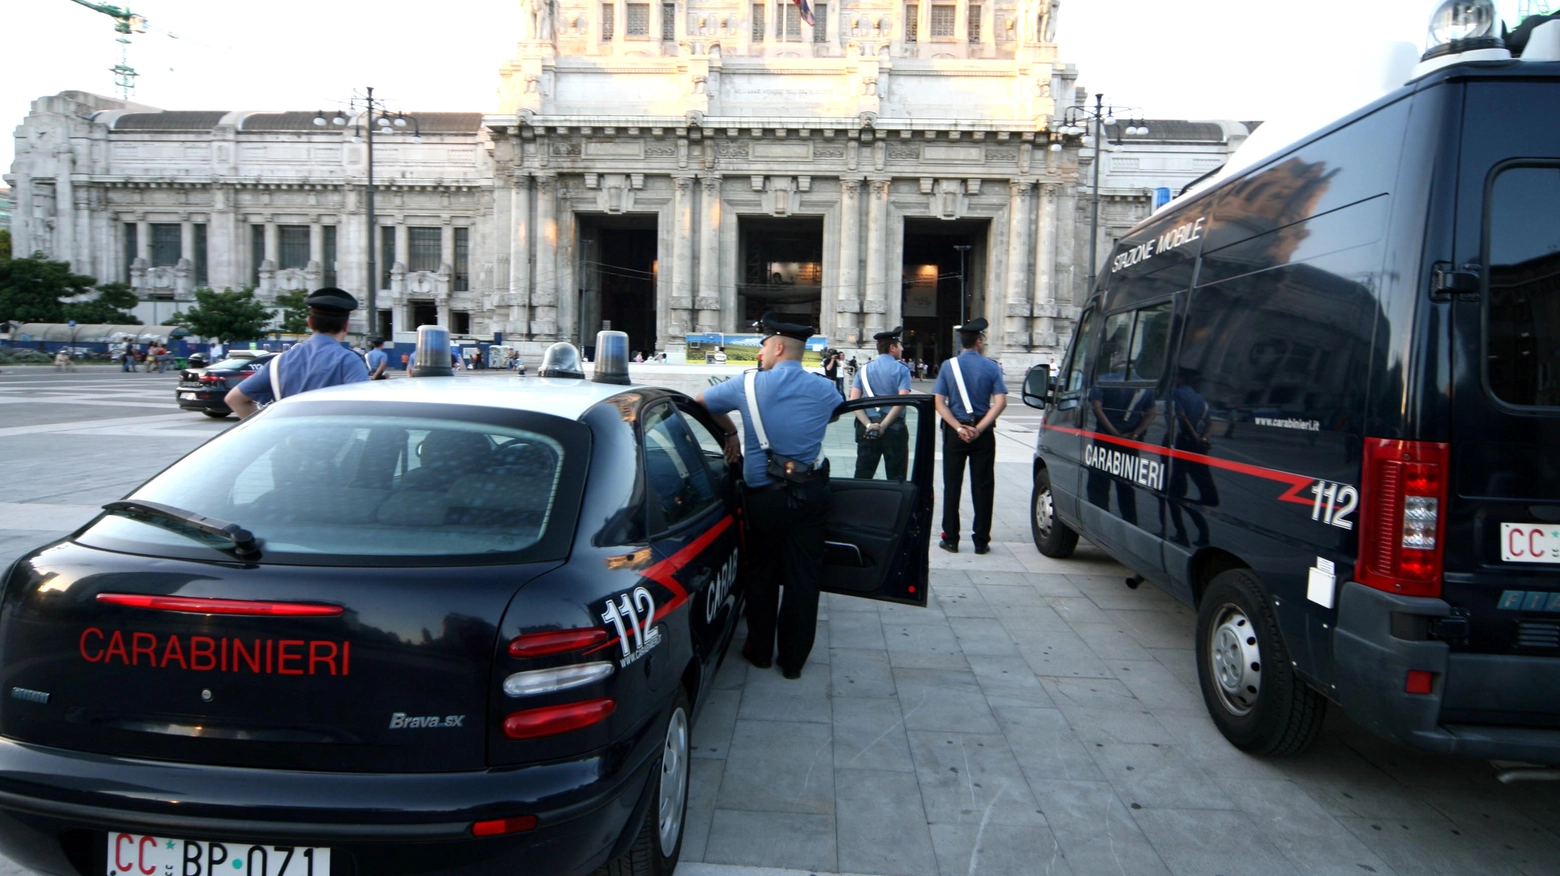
{"points": [[806, 8]]}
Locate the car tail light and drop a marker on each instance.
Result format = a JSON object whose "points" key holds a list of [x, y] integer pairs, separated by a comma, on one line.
{"points": [[243, 607], [555, 642], [1419, 682], [211, 378], [1403, 518], [538, 681], [501, 826], [552, 720]]}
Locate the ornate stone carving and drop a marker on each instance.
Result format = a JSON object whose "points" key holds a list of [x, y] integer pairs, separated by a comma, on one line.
{"points": [[660, 150], [829, 150], [994, 153], [904, 152], [566, 148], [732, 149]]}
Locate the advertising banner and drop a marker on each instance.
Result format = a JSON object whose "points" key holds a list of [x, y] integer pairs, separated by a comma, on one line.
{"points": [[741, 351]]}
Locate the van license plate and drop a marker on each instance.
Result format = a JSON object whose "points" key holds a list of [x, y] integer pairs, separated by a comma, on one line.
{"points": [[1530, 542], [133, 854]]}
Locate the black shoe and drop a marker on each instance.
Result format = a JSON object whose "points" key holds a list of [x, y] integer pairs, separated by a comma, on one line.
{"points": [[951, 547], [748, 656], [983, 549], [792, 674]]}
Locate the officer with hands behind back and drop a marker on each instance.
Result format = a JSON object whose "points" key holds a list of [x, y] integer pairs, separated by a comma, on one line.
{"points": [[970, 397], [881, 432], [785, 412], [320, 361]]}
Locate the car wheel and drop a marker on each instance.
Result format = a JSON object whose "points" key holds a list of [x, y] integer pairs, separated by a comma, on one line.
{"points": [[216, 415], [1052, 537], [658, 844], [1252, 691]]}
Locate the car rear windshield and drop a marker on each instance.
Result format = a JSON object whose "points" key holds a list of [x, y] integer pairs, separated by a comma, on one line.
{"points": [[371, 488], [1523, 340]]}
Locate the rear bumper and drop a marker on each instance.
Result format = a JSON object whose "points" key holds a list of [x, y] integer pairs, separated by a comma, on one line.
{"points": [[57, 807], [204, 400], [1371, 668]]}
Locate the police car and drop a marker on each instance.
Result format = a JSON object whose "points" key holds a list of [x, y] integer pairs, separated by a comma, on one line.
{"points": [[438, 625], [1375, 307]]}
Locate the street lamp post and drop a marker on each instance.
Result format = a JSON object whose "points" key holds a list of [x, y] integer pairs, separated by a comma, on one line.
{"points": [[964, 315], [387, 123], [1075, 123]]}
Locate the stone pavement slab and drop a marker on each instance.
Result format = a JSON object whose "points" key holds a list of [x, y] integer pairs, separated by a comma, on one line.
{"points": [[1038, 717]]}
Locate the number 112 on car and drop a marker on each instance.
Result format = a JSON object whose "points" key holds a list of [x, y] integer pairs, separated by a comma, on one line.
{"points": [[132, 854]]}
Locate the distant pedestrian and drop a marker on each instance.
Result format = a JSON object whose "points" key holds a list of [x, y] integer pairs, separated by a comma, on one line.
{"points": [[62, 361], [378, 360], [127, 357]]}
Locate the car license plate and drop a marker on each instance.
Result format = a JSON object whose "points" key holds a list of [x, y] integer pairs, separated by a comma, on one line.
{"points": [[186, 395], [1530, 542], [133, 854]]}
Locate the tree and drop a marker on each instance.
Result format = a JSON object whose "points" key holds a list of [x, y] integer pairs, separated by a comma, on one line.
{"points": [[109, 308], [5, 244], [31, 289], [295, 314], [226, 315]]}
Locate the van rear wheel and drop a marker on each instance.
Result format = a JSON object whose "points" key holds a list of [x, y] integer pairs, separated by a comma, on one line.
{"points": [[1052, 537], [1249, 684]]}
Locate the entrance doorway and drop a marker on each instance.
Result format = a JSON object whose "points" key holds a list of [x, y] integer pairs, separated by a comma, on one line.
{"points": [[782, 269], [424, 313], [618, 264], [935, 300]]}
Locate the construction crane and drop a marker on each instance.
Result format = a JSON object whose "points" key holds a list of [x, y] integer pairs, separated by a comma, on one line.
{"points": [[125, 24]]}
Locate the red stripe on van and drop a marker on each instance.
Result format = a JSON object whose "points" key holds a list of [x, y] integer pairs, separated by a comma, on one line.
{"points": [[1296, 482]]}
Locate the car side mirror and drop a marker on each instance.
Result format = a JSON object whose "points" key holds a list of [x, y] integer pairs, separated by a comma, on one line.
{"points": [[1037, 386]]}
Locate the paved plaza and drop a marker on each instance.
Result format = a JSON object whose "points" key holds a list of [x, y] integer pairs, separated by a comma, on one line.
{"points": [[1038, 717]]}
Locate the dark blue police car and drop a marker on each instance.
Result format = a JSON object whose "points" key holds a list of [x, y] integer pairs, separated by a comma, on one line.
{"points": [[439, 625]]}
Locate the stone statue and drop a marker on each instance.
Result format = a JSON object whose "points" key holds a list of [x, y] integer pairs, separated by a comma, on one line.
{"points": [[1048, 21], [539, 20], [1029, 17]]}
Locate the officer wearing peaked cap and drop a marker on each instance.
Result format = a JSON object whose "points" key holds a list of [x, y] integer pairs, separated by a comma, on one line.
{"points": [[320, 361], [785, 411], [970, 397], [881, 432]]}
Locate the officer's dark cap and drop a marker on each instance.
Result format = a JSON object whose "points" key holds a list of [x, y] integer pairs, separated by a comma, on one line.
{"points": [[769, 324], [973, 327], [890, 335], [331, 300]]}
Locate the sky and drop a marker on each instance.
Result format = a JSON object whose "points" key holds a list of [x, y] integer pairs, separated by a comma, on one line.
{"points": [[1196, 59]]}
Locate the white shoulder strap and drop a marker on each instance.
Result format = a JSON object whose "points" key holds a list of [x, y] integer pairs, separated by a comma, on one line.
{"points": [[865, 383], [750, 385], [276, 378], [964, 393]]}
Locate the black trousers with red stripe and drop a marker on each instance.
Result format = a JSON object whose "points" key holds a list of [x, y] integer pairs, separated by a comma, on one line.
{"points": [[785, 546], [981, 455]]}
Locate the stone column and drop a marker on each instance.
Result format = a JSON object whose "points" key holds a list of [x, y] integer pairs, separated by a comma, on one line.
{"points": [[403, 244], [273, 249], [875, 303], [520, 253], [187, 240], [143, 239], [1043, 328], [681, 304], [544, 300], [707, 297], [847, 294], [447, 246], [1015, 312], [317, 243], [568, 288], [222, 242], [64, 210]]}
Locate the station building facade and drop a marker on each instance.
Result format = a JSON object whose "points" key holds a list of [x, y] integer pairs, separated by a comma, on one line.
{"points": [[663, 169]]}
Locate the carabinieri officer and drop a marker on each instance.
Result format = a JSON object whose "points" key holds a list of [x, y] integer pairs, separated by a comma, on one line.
{"points": [[320, 361], [785, 411], [970, 397], [881, 432]]}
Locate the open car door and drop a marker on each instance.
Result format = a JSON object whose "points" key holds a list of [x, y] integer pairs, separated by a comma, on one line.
{"points": [[880, 510]]}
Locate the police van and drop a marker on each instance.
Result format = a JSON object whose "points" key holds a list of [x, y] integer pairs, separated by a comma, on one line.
{"points": [[1319, 400]]}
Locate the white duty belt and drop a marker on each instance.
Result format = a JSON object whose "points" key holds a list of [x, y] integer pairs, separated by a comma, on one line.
{"points": [[750, 385], [964, 393], [275, 370], [865, 383]]}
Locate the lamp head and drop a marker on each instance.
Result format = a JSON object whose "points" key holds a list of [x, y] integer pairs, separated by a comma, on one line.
{"points": [[1459, 26]]}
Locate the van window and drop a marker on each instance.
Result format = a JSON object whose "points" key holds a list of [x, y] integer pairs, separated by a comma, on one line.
{"points": [[1522, 347], [1135, 345], [1078, 357]]}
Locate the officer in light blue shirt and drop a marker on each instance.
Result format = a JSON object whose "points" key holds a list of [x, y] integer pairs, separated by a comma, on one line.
{"points": [[969, 409], [378, 360], [881, 432], [787, 489], [320, 361]]}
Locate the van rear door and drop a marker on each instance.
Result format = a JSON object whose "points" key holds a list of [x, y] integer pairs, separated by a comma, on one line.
{"points": [[1502, 538]]}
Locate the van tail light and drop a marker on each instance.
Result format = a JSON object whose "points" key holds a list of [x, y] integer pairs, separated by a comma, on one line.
{"points": [[1403, 518], [555, 642], [552, 720]]}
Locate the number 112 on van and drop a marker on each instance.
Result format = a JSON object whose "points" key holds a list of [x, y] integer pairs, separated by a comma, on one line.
{"points": [[1334, 503]]}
